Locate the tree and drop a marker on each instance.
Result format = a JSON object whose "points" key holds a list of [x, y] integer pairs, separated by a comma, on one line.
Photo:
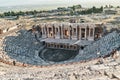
{"points": [[101, 8], [118, 6], [6, 14], [12, 13], [20, 13], [78, 6], [106, 6], [110, 6], [73, 8], [94, 9], [71, 12], [35, 12]]}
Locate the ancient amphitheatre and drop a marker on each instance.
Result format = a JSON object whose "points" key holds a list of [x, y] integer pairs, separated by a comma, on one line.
{"points": [[20, 59]]}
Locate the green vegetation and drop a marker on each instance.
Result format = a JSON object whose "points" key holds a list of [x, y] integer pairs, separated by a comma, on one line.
{"points": [[73, 10], [92, 10], [20, 13], [74, 7]]}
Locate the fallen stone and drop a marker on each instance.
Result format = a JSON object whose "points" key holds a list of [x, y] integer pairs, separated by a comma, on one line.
{"points": [[109, 74], [98, 67], [116, 75]]}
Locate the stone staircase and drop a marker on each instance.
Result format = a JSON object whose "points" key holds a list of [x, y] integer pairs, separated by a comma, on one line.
{"points": [[103, 46]]}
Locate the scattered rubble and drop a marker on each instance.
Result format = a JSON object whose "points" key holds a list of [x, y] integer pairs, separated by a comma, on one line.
{"points": [[22, 47]]}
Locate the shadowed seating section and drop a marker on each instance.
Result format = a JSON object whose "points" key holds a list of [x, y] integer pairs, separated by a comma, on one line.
{"points": [[103, 46]]}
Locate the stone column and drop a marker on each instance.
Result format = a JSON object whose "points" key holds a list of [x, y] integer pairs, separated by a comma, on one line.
{"points": [[60, 32], [69, 32], [85, 33], [73, 33], [46, 31], [76, 33], [80, 33], [43, 31], [53, 31], [93, 33], [89, 32]]}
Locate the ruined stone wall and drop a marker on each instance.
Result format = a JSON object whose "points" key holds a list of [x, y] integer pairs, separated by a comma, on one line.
{"points": [[74, 31]]}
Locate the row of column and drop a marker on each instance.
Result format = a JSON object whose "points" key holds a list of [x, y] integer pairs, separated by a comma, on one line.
{"points": [[68, 32]]}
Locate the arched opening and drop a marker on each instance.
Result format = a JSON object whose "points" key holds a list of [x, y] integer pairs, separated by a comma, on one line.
{"points": [[1, 31]]}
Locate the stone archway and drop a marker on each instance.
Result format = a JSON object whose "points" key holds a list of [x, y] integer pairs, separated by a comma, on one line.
{"points": [[66, 34]]}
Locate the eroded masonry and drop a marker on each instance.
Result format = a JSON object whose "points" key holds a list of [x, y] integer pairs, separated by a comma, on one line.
{"points": [[71, 36]]}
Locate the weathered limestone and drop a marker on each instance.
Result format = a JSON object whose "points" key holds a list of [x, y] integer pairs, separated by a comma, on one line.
{"points": [[64, 30], [68, 31], [116, 74]]}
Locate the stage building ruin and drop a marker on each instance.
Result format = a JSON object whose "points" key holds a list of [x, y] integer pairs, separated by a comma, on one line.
{"points": [[71, 36]]}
